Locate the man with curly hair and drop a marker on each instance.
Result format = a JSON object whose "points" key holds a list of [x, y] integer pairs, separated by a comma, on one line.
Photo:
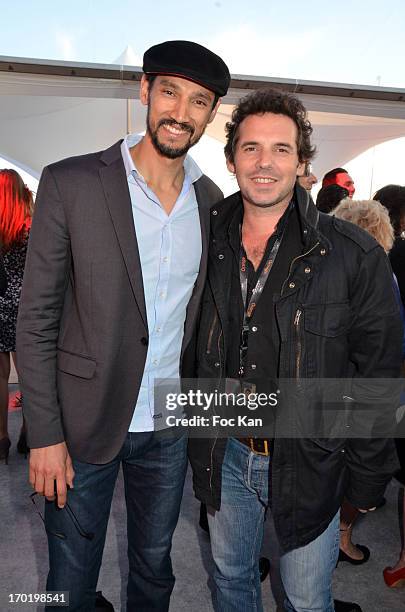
{"points": [[292, 294]]}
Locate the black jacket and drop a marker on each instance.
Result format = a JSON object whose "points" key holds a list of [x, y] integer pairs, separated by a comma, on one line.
{"points": [[397, 258], [337, 318]]}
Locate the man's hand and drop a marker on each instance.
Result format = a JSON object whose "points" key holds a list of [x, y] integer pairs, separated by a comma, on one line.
{"points": [[50, 464]]}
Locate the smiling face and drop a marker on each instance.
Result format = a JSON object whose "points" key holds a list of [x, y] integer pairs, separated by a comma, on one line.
{"points": [[178, 113], [266, 160]]}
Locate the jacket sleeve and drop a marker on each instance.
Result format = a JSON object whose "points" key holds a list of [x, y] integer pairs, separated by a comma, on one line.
{"points": [[401, 312], [45, 279], [3, 277], [375, 351]]}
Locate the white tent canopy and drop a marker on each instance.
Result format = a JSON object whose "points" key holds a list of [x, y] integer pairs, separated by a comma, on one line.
{"points": [[50, 110]]}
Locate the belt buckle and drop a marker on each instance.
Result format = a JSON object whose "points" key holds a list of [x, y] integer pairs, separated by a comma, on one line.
{"points": [[266, 452], [247, 388]]}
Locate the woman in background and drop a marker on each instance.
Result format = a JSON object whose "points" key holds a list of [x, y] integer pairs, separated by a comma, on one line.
{"points": [[384, 225], [16, 206], [393, 198]]}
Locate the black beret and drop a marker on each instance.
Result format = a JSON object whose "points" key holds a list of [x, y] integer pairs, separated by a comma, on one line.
{"points": [[190, 61]]}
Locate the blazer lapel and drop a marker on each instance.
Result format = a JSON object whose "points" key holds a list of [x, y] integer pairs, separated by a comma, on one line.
{"points": [[204, 203], [116, 191]]}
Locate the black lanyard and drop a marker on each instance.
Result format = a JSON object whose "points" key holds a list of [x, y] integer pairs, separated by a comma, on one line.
{"points": [[254, 299]]}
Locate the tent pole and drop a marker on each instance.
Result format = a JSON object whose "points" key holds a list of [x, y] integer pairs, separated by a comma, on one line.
{"points": [[129, 127]]}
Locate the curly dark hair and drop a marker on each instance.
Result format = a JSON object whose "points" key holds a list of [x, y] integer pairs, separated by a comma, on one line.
{"points": [[271, 101], [393, 198]]}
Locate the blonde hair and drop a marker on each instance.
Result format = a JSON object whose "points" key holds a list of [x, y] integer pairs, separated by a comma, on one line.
{"points": [[371, 216]]}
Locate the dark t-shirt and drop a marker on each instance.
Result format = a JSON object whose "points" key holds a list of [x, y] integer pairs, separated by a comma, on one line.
{"points": [[262, 361]]}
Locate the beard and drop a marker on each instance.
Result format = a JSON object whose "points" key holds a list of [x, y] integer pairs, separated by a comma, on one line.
{"points": [[172, 152]]}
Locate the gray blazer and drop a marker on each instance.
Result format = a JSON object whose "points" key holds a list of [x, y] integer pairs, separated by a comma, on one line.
{"points": [[82, 331]]}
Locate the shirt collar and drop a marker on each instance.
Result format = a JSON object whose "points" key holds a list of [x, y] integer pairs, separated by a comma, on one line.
{"points": [[192, 171], [282, 222]]}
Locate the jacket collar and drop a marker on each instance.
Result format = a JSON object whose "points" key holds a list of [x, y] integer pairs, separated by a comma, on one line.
{"points": [[112, 154], [115, 186], [308, 212]]}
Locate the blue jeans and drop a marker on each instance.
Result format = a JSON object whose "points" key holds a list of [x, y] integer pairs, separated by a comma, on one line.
{"points": [[154, 468], [236, 538]]}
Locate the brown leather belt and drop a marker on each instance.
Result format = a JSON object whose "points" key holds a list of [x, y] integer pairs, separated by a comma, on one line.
{"points": [[261, 446]]}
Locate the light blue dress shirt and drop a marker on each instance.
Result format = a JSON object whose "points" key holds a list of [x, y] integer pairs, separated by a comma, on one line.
{"points": [[170, 253]]}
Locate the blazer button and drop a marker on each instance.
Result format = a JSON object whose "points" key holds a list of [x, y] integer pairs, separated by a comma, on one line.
{"points": [[291, 285], [221, 256], [144, 341]]}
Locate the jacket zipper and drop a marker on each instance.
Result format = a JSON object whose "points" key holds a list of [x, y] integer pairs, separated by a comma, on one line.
{"points": [[299, 343], [297, 314], [216, 437], [211, 333], [219, 354], [293, 262]]}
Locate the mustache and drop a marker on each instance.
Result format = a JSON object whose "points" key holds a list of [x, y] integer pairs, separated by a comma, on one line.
{"points": [[172, 122]]}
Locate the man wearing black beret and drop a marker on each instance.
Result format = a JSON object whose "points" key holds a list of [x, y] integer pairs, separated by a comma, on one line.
{"points": [[115, 273]]}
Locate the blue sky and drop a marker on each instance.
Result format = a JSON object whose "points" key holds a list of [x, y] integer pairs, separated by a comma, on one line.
{"points": [[355, 42]]}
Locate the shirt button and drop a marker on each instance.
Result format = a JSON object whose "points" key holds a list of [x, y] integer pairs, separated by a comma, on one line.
{"points": [[155, 361], [215, 212], [254, 328], [291, 285], [307, 270], [158, 330], [253, 366], [162, 294], [165, 259], [221, 256], [323, 252]]}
